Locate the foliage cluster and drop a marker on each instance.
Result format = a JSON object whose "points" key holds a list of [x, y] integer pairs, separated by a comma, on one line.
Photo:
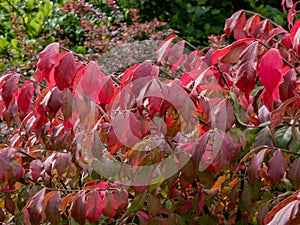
{"points": [[218, 144], [29, 26], [197, 19]]}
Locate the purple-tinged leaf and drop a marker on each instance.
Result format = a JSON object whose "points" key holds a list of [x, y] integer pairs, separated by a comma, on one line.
{"points": [[55, 101], [277, 167], [164, 48], [247, 66], [154, 206], [287, 88], [35, 208], [9, 204], [4, 170], [256, 165], [52, 207], [294, 173], [77, 209], [110, 204], [36, 167], [232, 22]]}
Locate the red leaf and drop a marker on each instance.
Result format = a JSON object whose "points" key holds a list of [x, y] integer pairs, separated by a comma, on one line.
{"points": [[263, 29], [35, 208], [277, 167], [55, 101], [238, 31], [231, 49], [36, 167], [285, 212], [251, 24], [295, 36], [287, 88], [9, 89], [52, 205], [176, 55], [232, 22], [246, 72], [255, 166], [269, 72], [164, 48], [65, 71], [110, 204], [47, 60], [25, 96], [146, 69], [77, 209], [106, 91], [9, 204], [294, 173], [94, 206]]}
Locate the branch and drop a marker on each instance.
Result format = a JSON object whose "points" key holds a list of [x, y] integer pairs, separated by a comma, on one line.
{"points": [[257, 14]]}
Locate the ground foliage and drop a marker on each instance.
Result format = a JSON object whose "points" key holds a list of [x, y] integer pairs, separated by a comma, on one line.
{"points": [[244, 150]]}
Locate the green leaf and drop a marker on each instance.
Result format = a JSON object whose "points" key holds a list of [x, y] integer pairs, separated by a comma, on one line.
{"points": [[138, 203], [283, 136], [240, 114]]}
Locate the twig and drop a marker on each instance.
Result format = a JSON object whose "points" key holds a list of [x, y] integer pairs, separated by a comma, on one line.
{"points": [[254, 13], [189, 44], [222, 75]]}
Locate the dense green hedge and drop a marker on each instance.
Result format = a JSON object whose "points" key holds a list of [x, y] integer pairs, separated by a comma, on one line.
{"points": [[197, 19]]}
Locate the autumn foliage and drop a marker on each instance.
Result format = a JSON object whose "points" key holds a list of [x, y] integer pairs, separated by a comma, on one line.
{"points": [[206, 136]]}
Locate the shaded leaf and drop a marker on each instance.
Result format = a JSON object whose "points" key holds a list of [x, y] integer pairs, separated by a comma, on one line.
{"points": [[67, 104], [232, 22], [55, 101], [110, 204], [294, 173], [35, 208], [256, 165], [107, 91], [263, 137], [246, 72], [287, 88], [36, 167], [277, 167], [77, 209], [9, 204], [94, 206], [4, 170], [52, 207], [154, 206]]}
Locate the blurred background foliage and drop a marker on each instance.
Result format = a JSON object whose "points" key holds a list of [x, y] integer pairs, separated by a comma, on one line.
{"points": [[96, 26]]}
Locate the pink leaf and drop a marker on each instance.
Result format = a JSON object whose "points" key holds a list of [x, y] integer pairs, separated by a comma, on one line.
{"points": [[164, 48], [176, 55], [47, 60], [107, 91], [251, 25], [287, 88], [277, 167], [94, 206], [295, 36], [269, 72], [9, 89], [238, 31], [55, 101], [65, 71], [62, 162], [25, 96]]}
